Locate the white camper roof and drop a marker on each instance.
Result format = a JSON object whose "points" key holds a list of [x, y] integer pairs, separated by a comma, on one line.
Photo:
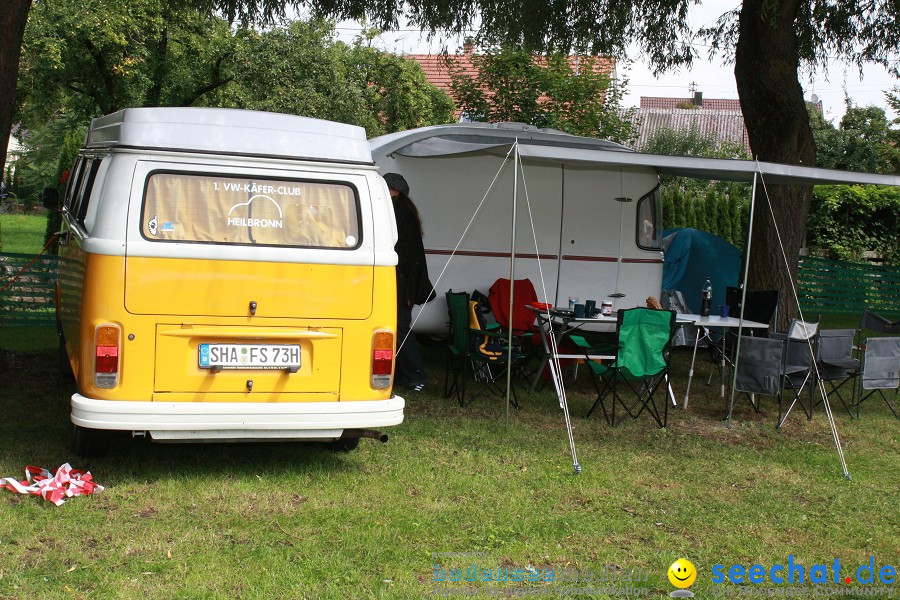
{"points": [[230, 131], [555, 146]]}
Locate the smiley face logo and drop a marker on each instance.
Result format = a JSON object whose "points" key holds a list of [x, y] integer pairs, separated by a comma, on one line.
{"points": [[682, 573]]}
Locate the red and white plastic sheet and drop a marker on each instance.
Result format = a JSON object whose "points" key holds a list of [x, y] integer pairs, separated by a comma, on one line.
{"points": [[66, 483]]}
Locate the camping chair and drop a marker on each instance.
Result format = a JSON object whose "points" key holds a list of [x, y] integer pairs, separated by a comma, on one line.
{"points": [[522, 321], [875, 322], [880, 369], [836, 363], [685, 334], [760, 368], [643, 340], [471, 345], [760, 306], [799, 365]]}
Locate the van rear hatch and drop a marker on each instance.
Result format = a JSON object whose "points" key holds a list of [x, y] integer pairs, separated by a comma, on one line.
{"points": [[250, 279], [226, 288], [216, 359]]}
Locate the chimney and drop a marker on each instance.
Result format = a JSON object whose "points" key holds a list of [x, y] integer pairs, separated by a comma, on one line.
{"points": [[698, 99], [468, 46]]}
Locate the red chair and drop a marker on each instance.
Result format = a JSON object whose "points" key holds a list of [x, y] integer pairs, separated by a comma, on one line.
{"points": [[522, 318], [522, 323]]}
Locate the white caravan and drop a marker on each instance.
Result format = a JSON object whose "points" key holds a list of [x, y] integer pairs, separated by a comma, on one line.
{"points": [[597, 226]]}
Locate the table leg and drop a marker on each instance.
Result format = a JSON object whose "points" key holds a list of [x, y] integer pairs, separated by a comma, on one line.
{"points": [[722, 363], [546, 359], [687, 392]]}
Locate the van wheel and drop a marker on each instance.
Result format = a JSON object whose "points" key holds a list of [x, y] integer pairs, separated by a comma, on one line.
{"points": [[344, 444], [89, 443]]}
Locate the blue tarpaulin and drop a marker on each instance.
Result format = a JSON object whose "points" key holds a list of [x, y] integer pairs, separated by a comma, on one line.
{"points": [[691, 256]]}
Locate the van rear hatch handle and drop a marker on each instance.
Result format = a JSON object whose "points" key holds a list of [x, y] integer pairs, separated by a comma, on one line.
{"points": [[253, 308], [248, 333]]}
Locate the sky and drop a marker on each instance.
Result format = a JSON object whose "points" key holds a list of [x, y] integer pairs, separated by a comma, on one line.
{"points": [[710, 77]]}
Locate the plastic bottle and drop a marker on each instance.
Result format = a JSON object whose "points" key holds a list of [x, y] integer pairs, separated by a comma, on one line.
{"points": [[706, 298]]}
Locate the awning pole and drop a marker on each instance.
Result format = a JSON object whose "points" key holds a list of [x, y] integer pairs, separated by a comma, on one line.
{"points": [[512, 276], [737, 348]]}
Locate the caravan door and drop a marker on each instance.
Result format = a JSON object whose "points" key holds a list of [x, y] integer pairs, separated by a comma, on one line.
{"points": [[599, 253]]}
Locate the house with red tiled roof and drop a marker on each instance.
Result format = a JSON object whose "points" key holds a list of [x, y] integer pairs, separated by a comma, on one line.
{"points": [[437, 66], [717, 118], [697, 102]]}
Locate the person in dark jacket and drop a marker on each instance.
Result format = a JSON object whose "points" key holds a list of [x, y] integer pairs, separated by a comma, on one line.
{"points": [[410, 260]]}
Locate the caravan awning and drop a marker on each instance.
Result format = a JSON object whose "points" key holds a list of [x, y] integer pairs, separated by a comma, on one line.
{"points": [[554, 146]]}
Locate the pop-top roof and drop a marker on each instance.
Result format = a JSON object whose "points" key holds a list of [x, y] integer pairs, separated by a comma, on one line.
{"points": [[230, 131]]}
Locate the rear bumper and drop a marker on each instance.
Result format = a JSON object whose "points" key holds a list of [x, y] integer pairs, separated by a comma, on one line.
{"points": [[236, 420]]}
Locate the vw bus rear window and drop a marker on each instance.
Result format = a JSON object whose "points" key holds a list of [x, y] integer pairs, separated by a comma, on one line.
{"points": [[186, 207]]}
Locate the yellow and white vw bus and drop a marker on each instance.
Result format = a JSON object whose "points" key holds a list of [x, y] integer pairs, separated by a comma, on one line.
{"points": [[227, 275]]}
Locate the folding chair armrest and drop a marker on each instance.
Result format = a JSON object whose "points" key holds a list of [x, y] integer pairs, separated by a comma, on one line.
{"points": [[589, 348]]}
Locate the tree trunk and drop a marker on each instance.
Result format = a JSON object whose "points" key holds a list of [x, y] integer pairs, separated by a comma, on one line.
{"points": [[765, 69], [13, 17]]}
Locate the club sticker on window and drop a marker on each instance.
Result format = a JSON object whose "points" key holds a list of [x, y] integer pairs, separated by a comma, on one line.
{"points": [[240, 215], [224, 210]]}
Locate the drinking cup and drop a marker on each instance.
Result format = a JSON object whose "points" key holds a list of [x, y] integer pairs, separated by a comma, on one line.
{"points": [[590, 307], [723, 311], [579, 311]]}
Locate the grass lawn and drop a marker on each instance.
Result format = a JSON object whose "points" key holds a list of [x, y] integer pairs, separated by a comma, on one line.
{"points": [[300, 521], [22, 234]]}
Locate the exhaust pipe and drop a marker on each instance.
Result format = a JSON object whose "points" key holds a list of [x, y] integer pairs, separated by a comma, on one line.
{"points": [[365, 433]]}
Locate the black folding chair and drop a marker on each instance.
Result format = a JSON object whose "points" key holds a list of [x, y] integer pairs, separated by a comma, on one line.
{"points": [[799, 366], [760, 368], [760, 306], [880, 370], [836, 364]]}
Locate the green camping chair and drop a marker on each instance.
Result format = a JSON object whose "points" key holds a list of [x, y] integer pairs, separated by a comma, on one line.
{"points": [[643, 339], [472, 345]]}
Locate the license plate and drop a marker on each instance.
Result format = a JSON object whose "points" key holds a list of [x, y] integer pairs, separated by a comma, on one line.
{"points": [[250, 356]]}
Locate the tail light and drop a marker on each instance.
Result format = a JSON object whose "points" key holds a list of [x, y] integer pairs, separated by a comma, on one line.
{"points": [[106, 356], [382, 359]]}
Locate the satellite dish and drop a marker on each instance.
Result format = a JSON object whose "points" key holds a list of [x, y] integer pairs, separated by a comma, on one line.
{"points": [[814, 98]]}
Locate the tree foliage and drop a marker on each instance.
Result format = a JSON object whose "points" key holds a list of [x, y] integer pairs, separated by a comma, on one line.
{"points": [[863, 141], [302, 69], [95, 57], [573, 95], [81, 64], [847, 221]]}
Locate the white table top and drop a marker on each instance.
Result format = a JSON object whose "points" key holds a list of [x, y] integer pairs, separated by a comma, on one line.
{"points": [[683, 318], [717, 321]]}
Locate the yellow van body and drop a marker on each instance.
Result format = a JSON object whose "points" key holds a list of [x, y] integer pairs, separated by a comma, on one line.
{"points": [[228, 275]]}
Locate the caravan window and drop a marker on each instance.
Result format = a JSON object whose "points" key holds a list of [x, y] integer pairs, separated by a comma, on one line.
{"points": [[186, 207], [649, 217]]}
